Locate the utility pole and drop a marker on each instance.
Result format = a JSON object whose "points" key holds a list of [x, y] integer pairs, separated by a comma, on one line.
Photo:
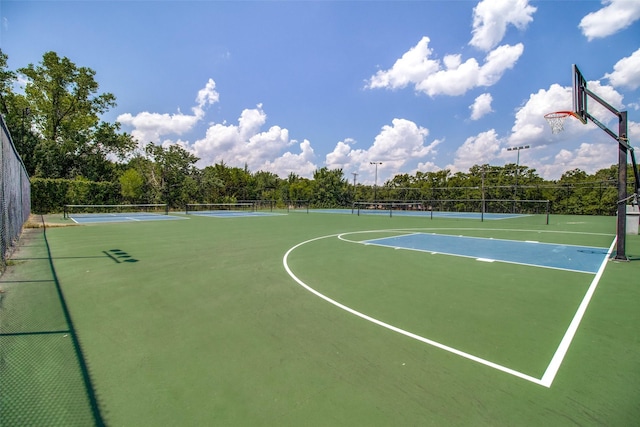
{"points": [[515, 187], [354, 185]]}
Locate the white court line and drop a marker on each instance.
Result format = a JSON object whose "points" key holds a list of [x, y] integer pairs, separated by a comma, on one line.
{"points": [[551, 370], [394, 328], [558, 357]]}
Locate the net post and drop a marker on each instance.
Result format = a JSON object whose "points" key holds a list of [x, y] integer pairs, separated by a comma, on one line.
{"points": [[548, 210]]}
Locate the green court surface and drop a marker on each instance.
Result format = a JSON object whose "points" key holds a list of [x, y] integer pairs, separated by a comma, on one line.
{"points": [[291, 320]]}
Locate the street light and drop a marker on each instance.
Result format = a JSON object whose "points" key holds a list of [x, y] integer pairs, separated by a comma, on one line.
{"points": [[515, 187], [354, 185], [375, 186]]}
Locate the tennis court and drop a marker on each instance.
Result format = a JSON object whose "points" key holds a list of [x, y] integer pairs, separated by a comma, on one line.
{"points": [[321, 319], [119, 217], [97, 214]]}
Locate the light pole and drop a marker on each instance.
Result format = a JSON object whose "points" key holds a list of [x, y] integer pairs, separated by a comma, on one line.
{"points": [[483, 197], [375, 186], [515, 187], [354, 185]]}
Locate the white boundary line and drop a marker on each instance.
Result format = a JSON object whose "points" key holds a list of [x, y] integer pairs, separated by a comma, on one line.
{"points": [[558, 357], [552, 368]]}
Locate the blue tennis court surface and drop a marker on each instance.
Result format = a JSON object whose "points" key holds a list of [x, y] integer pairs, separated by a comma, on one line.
{"points": [[95, 218], [584, 259]]}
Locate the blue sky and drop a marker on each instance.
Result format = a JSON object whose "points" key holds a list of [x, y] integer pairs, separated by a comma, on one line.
{"points": [[293, 86]]}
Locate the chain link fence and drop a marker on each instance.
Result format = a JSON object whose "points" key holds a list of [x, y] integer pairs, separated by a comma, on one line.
{"points": [[15, 195]]}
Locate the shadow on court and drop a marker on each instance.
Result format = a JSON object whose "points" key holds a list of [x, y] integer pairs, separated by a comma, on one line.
{"points": [[44, 379]]}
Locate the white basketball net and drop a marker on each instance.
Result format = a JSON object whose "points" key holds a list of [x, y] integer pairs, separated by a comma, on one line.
{"points": [[556, 120]]}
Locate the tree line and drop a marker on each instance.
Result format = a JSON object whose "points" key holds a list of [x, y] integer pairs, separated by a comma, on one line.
{"points": [[74, 157]]}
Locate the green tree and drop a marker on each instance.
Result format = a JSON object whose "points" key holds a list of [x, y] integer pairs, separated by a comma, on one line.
{"points": [[607, 190], [132, 186], [17, 116], [65, 110], [299, 188], [167, 172], [570, 197], [211, 185], [265, 185], [330, 188], [7, 79]]}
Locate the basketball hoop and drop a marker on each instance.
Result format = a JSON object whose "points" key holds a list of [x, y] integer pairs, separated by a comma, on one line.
{"points": [[556, 120]]}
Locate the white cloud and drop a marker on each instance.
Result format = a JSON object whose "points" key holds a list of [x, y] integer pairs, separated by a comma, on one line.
{"points": [[341, 154], [615, 16], [455, 78], [491, 18], [397, 146], [625, 72], [587, 157], [585, 147], [481, 106], [251, 121], [151, 127], [400, 141], [497, 62], [476, 150], [414, 66], [426, 167], [206, 96], [243, 143], [300, 164], [235, 144], [530, 126]]}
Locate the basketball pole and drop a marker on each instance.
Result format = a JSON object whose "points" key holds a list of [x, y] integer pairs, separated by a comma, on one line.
{"points": [[622, 187], [580, 96], [623, 148]]}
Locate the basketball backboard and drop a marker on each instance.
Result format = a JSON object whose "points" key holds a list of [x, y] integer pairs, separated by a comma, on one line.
{"points": [[579, 94]]}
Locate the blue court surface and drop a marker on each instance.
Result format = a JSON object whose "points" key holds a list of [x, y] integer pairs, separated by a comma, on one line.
{"points": [[427, 214], [583, 259], [97, 218]]}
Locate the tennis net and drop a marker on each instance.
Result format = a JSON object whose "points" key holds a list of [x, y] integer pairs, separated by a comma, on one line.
{"points": [[387, 208], [479, 206], [112, 210], [219, 208]]}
